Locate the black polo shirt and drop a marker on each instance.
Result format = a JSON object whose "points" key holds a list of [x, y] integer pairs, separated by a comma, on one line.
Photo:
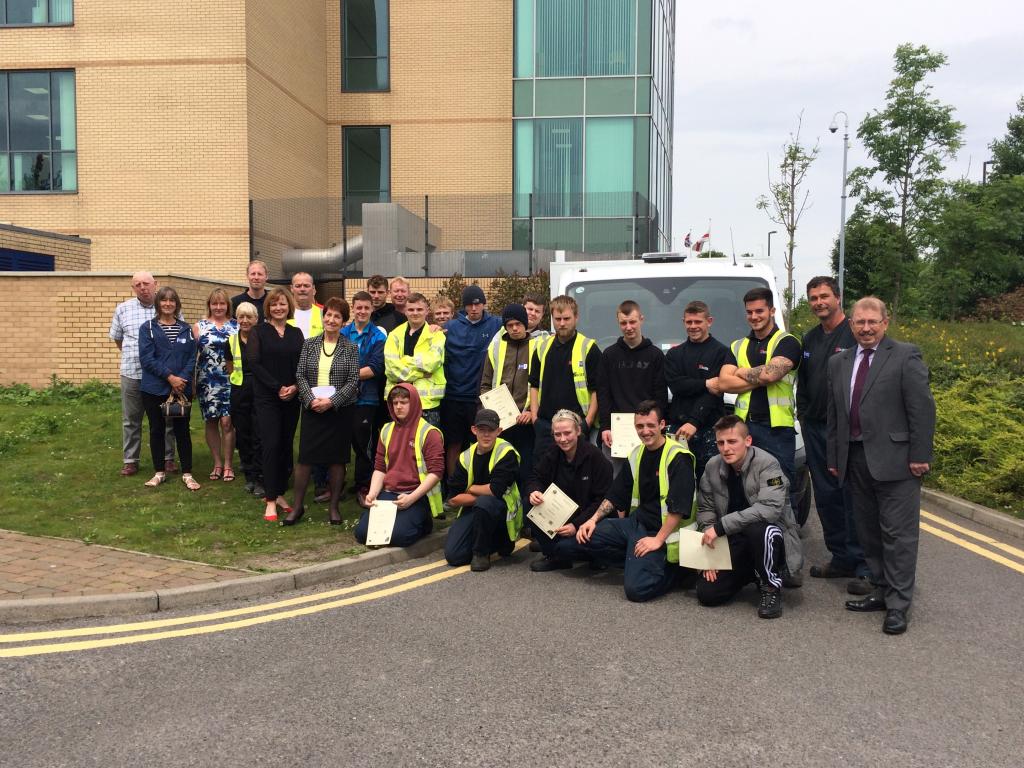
{"points": [[680, 488], [812, 378], [757, 352]]}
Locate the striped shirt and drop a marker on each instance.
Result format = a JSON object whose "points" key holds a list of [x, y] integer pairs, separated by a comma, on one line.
{"points": [[124, 327], [172, 331]]}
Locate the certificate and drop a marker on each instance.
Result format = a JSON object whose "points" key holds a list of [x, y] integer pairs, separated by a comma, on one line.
{"points": [[624, 436], [693, 554], [500, 401], [554, 512], [323, 391], [381, 523]]}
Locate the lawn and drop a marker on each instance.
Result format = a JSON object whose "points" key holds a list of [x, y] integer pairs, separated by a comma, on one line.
{"points": [[60, 454]]}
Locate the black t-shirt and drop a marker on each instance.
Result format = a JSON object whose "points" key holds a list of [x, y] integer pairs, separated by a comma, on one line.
{"points": [[243, 297], [558, 390], [680, 488], [757, 352], [812, 378], [505, 473], [411, 337]]}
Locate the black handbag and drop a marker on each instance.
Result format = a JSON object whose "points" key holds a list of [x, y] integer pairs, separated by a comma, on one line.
{"points": [[176, 407]]}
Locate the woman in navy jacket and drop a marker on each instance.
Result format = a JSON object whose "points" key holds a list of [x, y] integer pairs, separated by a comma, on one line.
{"points": [[167, 350]]}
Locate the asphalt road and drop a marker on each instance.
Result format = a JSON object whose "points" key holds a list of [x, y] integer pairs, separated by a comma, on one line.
{"points": [[515, 668]]}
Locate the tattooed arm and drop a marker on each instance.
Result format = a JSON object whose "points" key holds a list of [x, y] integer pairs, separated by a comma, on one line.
{"points": [[587, 529]]}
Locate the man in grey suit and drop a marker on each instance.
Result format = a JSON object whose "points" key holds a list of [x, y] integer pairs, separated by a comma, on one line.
{"points": [[881, 422]]}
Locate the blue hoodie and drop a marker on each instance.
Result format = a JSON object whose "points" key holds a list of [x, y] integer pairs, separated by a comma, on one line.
{"points": [[464, 349]]}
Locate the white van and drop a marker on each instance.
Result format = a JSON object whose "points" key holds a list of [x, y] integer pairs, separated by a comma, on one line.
{"points": [[663, 284]]}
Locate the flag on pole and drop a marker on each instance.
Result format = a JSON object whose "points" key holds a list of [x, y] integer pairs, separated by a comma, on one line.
{"points": [[700, 243], [687, 242]]}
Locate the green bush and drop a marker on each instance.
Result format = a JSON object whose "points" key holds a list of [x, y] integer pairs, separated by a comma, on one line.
{"points": [[510, 289]]}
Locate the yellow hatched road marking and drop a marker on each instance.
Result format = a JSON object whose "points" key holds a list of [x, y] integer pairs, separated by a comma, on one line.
{"points": [[160, 623], [81, 645], [974, 535], [1011, 564]]}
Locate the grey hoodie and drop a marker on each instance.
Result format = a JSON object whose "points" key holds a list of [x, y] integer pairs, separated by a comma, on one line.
{"points": [[769, 503]]}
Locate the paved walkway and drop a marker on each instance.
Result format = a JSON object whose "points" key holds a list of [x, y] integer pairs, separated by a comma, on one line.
{"points": [[33, 566]]}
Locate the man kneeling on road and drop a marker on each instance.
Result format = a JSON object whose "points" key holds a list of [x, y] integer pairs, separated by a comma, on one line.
{"points": [[657, 487], [744, 495], [484, 486]]}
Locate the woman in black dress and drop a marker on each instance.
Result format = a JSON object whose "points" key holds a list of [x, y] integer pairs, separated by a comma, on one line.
{"points": [[273, 355], [328, 382]]}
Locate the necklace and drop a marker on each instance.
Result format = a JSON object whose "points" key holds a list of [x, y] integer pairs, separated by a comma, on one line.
{"points": [[331, 353]]}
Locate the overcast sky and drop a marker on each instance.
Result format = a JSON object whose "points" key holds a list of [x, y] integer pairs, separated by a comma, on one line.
{"points": [[745, 70]]}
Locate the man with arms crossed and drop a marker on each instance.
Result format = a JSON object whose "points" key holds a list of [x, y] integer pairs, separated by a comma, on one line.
{"points": [[124, 331], [835, 509], [881, 426], [656, 489], [744, 495]]}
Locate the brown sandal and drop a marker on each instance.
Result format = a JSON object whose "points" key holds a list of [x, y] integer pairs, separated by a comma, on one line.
{"points": [[229, 474]]}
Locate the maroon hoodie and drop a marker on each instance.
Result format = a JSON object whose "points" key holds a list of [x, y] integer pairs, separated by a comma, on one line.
{"points": [[400, 475]]}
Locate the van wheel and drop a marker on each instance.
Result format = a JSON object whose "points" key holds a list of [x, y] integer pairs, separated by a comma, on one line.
{"points": [[803, 495]]}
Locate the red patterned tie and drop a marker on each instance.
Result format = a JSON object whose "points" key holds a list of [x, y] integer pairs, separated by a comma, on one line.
{"points": [[858, 387]]}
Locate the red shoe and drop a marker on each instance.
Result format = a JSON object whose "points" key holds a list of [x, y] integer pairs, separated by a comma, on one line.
{"points": [[129, 469]]}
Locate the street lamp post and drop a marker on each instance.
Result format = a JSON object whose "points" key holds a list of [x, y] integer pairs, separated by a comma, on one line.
{"points": [[842, 206], [773, 232]]}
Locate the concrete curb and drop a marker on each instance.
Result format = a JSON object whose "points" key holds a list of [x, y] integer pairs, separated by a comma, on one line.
{"points": [[990, 518], [133, 603]]}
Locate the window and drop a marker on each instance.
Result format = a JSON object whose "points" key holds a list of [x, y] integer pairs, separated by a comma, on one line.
{"points": [[365, 40], [367, 169], [17, 13], [37, 132]]}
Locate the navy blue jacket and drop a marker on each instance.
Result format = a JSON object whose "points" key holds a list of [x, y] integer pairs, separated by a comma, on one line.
{"points": [[370, 344], [160, 358], [464, 349]]}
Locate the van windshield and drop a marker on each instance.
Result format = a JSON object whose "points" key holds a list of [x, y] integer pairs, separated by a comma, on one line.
{"points": [[662, 301]]}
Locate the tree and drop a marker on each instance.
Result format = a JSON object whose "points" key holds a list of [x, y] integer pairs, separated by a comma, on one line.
{"points": [[876, 257], [1008, 152], [786, 201], [979, 246], [909, 142]]}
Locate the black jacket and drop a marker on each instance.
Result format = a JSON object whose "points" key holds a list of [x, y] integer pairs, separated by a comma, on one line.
{"points": [[387, 318], [687, 367], [627, 376], [585, 480]]}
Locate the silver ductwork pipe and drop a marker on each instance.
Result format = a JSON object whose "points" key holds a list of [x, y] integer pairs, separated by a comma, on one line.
{"points": [[323, 261]]}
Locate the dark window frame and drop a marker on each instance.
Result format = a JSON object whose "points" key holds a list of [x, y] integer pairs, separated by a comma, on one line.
{"points": [[346, 191], [48, 23], [345, 58], [7, 154]]}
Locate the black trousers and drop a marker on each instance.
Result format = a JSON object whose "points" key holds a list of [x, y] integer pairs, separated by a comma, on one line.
{"points": [[758, 555], [364, 444], [277, 422], [479, 530], [157, 425], [247, 435]]}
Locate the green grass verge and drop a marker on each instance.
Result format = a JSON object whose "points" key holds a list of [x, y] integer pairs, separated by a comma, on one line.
{"points": [[60, 453]]}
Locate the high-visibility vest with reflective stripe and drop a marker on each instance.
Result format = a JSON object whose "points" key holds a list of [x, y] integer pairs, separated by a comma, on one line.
{"points": [[581, 346], [496, 354], [422, 430], [780, 393], [316, 322], [669, 451], [234, 344], [513, 503], [431, 390]]}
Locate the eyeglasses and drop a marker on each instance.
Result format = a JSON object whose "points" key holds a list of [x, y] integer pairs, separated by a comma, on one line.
{"points": [[868, 323]]}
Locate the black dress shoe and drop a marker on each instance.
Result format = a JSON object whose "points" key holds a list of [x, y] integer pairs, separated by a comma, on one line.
{"points": [[544, 563], [869, 603], [895, 622]]}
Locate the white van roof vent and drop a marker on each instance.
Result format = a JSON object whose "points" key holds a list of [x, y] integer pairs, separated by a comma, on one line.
{"points": [[664, 257]]}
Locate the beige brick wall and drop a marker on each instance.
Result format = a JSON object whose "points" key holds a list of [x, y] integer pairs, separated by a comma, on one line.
{"points": [[161, 133], [450, 112], [71, 255], [63, 321]]}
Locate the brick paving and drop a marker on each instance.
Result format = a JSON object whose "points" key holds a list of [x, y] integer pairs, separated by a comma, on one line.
{"points": [[34, 566]]}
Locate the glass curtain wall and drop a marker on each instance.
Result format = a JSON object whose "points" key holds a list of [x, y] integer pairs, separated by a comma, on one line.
{"points": [[38, 150], [590, 167]]}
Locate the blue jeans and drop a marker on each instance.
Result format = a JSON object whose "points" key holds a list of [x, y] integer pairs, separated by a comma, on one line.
{"points": [[644, 577], [834, 503]]}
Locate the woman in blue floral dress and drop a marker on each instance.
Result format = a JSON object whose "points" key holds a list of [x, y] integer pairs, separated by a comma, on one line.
{"points": [[214, 386]]}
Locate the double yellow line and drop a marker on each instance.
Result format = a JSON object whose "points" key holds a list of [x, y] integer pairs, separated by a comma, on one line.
{"points": [[374, 589], [283, 609]]}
